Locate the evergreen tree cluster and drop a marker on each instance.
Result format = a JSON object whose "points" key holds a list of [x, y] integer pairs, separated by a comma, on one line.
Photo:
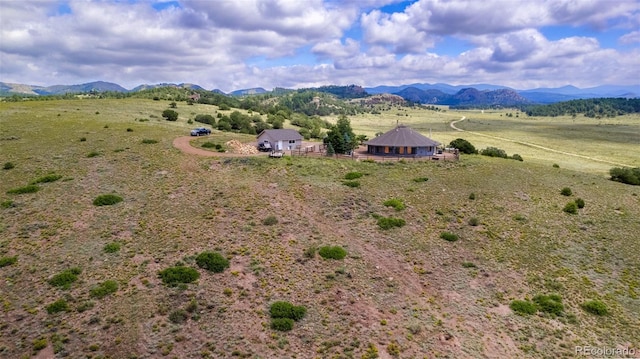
{"points": [[593, 108], [341, 138]]}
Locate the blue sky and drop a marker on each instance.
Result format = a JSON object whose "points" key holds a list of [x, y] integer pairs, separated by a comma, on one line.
{"points": [[234, 44]]}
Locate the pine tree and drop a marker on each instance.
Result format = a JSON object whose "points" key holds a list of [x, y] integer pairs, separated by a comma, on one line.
{"points": [[330, 150]]}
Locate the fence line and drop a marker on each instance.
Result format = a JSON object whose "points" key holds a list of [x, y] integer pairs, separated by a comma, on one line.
{"points": [[307, 152]]}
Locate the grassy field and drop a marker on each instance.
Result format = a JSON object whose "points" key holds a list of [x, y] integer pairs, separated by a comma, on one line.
{"points": [[403, 292]]}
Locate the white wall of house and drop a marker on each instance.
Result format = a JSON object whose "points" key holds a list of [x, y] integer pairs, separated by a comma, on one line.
{"points": [[280, 145]]}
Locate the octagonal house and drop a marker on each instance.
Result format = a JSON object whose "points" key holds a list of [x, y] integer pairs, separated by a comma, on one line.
{"points": [[402, 141]]}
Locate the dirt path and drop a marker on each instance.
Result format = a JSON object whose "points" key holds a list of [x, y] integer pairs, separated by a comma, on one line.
{"points": [[184, 144], [453, 125]]}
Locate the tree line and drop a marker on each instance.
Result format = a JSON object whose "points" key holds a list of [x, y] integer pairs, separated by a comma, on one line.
{"points": [[593, 108]]}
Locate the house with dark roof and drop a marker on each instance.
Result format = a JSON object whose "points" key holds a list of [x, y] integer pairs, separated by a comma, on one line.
{"points": [[281, 139], [402, 141]]}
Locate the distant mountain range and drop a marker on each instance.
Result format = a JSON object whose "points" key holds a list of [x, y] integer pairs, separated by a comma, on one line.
{"points": [[98, 86], [439, 93], [465, 97]]}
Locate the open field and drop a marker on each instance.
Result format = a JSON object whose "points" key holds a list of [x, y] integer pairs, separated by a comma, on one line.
{"points": [[405, 291]]}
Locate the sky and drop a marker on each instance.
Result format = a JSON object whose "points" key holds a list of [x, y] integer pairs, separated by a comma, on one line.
{"points": [[240, 44]]}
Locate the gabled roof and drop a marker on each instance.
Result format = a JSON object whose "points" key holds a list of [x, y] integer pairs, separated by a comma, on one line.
{"points": [[281, 134], [402, 136]]}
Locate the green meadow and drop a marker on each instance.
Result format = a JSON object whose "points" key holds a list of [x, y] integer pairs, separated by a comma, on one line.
{"points": [[463, 246]]}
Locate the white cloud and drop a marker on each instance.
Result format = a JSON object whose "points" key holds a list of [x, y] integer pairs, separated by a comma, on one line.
{"points": [[336, 49], [211, 43], [394, 30], [630, 38], [303, 20]]}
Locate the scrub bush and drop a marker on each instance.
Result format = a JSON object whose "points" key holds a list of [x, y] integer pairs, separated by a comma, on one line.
{"points": [[173, 276], [332, 252], [212, 261], [107, 200]]}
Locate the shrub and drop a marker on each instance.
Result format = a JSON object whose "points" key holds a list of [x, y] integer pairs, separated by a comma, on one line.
{"points": [[390, 222], [595, 307], [555, 165], [83, 139], [59, 305], [353, 175], [395, 203], [8, 166], [551, 304], [212, 261], [170, 115], [420, 179], [129, 129], [523, 307], [270, 221], [111, 247], [473, 221], [580, 202], [104, 289], [208, 145], [448, 236], [566, 191], [371, 352], [626, 175], [494, 152], [7, 261], [283, 309], [7, 204], [65, 278], [173, 276], [84, 306], [46, 179], [310, 252], [332, 252], [393, 349], [208, 119], [178, 316], [468, 265], [192, 306], [93, 154], [149, 141], [517, 157], [463, 146], [282, 324], [26, 189], [472, 196], [571, 208], [352, 184], [39, 344], [107, 200]]}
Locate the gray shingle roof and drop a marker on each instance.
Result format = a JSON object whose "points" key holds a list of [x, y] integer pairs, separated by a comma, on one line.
{"points": [[402, 136], [282, 134]]}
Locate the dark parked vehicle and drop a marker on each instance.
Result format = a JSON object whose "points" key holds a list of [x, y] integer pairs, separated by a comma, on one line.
{"points": [[264, 147], [200, 131]]}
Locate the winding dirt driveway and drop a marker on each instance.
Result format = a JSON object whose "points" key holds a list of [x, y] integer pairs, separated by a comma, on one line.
{"points": [[454, 123], [184, 144]]}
